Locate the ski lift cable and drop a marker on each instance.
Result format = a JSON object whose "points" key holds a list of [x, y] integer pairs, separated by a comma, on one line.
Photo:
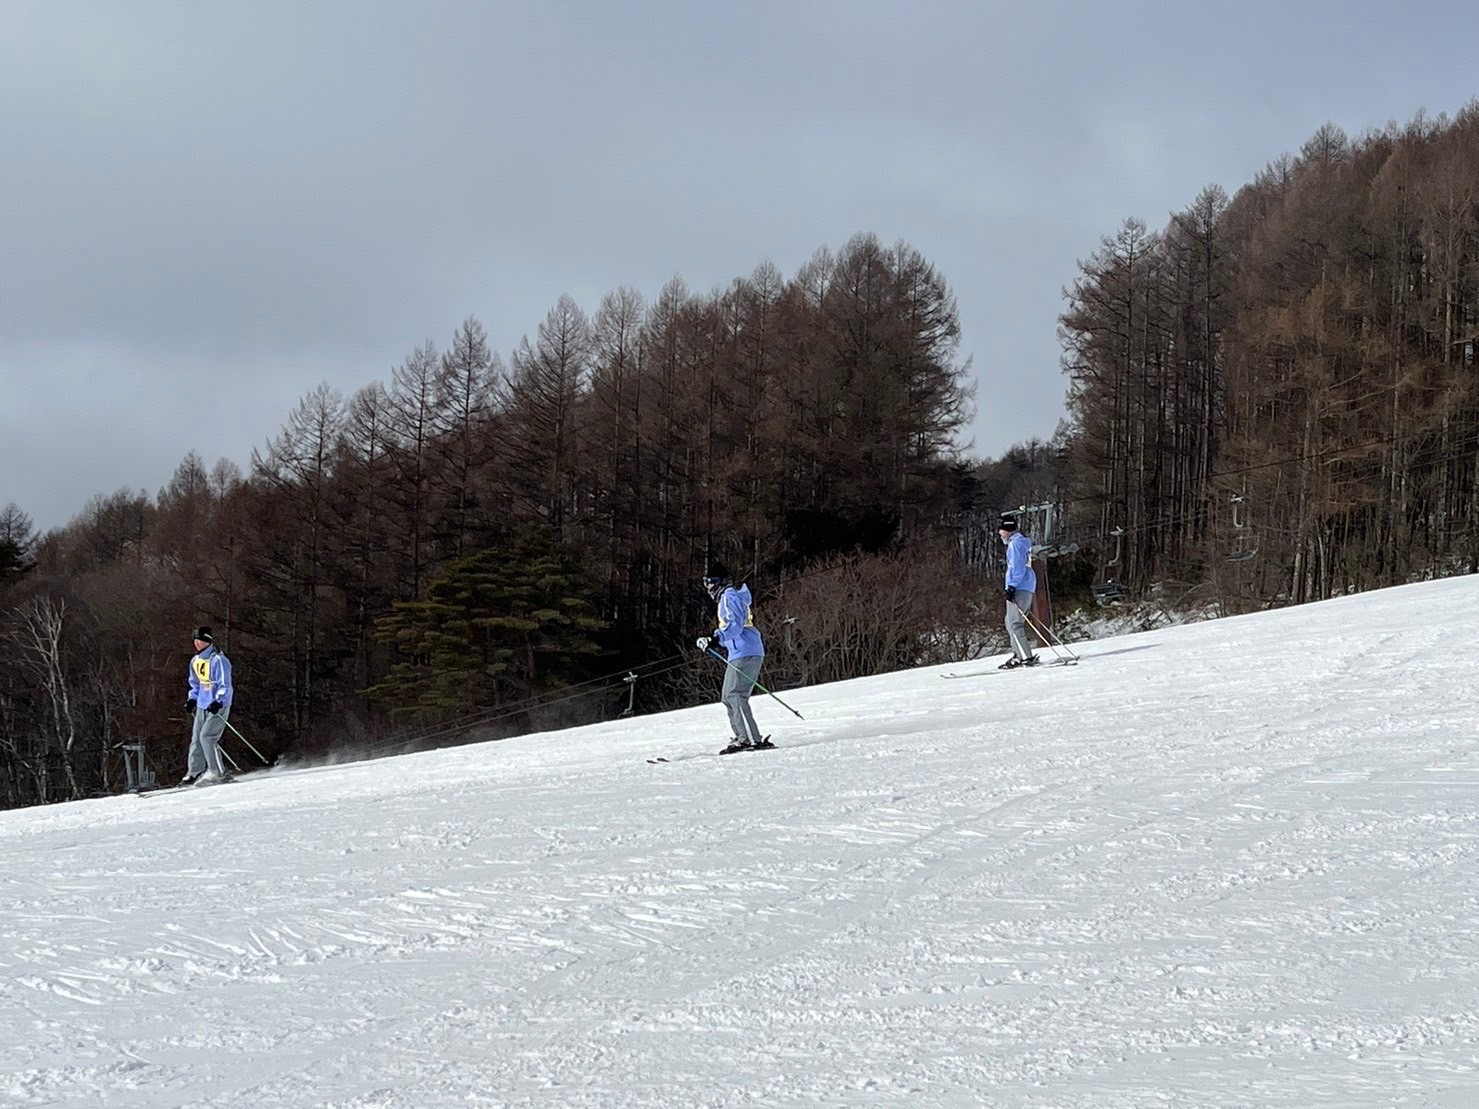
{"points": [[1388, 441], [1434, 453], [495, 713], [1430, 455], [1201, 512]]}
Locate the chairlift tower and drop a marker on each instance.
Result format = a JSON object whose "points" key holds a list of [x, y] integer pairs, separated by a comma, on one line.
{"points": [[137, 773], [1040, 519]]}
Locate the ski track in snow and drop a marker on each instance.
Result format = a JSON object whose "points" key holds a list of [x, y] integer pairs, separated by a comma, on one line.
{"points": [[1225, 864]]}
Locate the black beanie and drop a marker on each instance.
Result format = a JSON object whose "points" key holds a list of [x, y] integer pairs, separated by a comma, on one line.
{"points": [[717, 572], [1008, 523], [203, 633]]}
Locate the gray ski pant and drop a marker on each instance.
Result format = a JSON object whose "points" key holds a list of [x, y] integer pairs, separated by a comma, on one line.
{"points": [[739, 683], [1017, 625], [205, 752]]}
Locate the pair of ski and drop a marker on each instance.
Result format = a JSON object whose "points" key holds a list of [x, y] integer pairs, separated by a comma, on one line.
{"points": [[183, 787], [765, 745], [999, 670]]}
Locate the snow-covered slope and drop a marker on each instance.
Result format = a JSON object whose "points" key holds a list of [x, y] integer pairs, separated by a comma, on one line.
{"points": [[1233, 863]]}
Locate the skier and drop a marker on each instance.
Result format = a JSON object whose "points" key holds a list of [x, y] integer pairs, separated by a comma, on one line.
{"points": [[210, 704], [738, 635], [1021, 583]]}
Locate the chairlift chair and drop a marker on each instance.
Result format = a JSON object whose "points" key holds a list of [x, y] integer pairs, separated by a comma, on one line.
{"points": [[1110, 591], [1244, 551]]}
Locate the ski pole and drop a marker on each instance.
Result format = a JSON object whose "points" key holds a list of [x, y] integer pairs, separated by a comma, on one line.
{"points": [[1053, 643], [1049, 639], [247, 742], [1028, 622], [1055, 637], [752, 681], [227, 756]]}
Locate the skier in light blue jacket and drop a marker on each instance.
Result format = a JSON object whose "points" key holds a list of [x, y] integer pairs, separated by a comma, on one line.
{"points": [[210, 704], [741, 640], [1021, 584]]}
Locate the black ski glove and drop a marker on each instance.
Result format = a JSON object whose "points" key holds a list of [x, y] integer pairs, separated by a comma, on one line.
{"points": [[213, 708], [1011, 592], [190, 705]]}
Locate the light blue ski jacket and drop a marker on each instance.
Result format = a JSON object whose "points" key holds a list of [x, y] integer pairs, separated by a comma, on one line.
{"points": [[210, 678], [1019, 563], [737, 633]]}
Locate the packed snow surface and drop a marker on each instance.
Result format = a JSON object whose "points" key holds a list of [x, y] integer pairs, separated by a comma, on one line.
{"points": [[1225, 864]]}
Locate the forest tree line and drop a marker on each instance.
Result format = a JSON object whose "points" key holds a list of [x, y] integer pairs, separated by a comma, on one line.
{"points": [[482, 546], [1289, 371], [1271, 399]]}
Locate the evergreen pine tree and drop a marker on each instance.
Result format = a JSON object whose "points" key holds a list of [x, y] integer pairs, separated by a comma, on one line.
{"points": [[494, 627]]}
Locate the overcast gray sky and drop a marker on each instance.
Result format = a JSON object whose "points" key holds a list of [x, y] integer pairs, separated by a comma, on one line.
{"points": [[206, 209]]}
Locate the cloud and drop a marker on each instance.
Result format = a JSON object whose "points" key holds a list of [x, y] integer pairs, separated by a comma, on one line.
{"points": [[213, 208]]}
